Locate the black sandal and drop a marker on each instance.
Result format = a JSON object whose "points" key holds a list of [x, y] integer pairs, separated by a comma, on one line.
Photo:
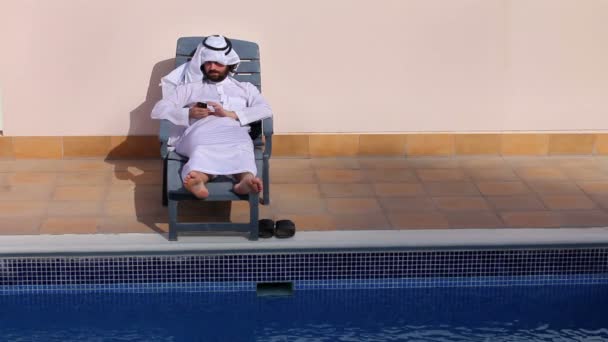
{"points": [[265, 228], [285, 229]]}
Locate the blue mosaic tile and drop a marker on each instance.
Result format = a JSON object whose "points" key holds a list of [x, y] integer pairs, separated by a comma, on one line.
{"points": [[241, 272]]}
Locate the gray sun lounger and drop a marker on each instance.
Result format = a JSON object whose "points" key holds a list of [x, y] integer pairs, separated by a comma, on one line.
{"points": [[220, 189]]}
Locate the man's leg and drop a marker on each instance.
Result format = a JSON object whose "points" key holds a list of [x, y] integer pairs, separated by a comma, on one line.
{"points": [[247, 183], [195, 183]]}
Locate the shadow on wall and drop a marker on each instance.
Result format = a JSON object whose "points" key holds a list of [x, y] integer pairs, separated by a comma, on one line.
{"points": [[144, 146], [145, 176]]}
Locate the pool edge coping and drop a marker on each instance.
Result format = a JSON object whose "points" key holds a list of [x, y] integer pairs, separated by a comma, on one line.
{"points": [[318, 241]]}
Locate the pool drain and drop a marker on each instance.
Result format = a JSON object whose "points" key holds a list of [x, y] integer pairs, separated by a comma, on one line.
{"points": [[279, 289]]}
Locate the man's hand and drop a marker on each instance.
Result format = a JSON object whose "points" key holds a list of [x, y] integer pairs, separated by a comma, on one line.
{"points": [[220, 111], [198, 113]]}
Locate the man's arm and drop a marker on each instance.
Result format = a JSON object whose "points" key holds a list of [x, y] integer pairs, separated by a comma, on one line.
{"points": [[218, 110], [171, 108], [257, 107]]}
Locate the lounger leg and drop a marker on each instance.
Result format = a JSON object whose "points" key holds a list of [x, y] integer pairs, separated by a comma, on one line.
{"points": [[165, 198], [266, 173], [172, 220], [254, 200]]}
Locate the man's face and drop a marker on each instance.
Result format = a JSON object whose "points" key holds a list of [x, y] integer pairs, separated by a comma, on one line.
{"points": [[215, 72]]}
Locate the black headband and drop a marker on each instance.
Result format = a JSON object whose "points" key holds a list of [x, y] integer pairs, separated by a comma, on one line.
{"points": [[228, 45]]}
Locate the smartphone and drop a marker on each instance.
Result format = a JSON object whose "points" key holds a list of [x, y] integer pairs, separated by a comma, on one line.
{"points": [[201, 105]]}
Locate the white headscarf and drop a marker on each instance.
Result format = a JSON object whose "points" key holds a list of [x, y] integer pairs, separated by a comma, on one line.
{"points": [[212, 49]]}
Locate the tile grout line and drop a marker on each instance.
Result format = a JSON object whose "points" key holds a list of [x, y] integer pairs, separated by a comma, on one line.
{"points": [[598, 204], [534, 192], [468, 178], [49, 200]]}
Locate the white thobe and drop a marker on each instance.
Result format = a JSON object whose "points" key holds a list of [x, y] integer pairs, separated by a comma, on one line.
{"points": [[215, 145]]}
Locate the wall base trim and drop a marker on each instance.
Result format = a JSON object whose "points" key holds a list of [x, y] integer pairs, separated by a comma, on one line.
{"points": [[325, 145]]}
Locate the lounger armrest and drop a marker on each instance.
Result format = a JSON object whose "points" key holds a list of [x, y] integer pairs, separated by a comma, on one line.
{"points": [[267, 127], [267, 130], [163, 137]]}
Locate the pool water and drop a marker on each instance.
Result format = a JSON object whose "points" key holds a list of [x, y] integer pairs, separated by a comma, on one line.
{"points": [[526, 313]]}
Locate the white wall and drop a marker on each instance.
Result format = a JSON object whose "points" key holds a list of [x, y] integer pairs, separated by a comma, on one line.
{"points": [[83, 67]]}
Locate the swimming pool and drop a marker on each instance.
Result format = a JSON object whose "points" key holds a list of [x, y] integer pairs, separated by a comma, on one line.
{"points": [[515, 313], [499, 293]]}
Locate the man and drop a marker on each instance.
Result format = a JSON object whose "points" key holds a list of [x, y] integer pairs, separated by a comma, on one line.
{"points": [[215, 138]]}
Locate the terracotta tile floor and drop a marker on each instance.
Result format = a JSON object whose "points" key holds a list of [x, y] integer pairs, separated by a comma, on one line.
{"points": [[85, 196]]}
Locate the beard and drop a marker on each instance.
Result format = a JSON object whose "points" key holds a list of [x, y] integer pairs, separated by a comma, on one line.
{"points": [[216, 76]]}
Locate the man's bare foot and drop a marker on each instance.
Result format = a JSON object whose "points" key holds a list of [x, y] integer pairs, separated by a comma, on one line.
{"points": [[195, 183], [248, 184]]}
